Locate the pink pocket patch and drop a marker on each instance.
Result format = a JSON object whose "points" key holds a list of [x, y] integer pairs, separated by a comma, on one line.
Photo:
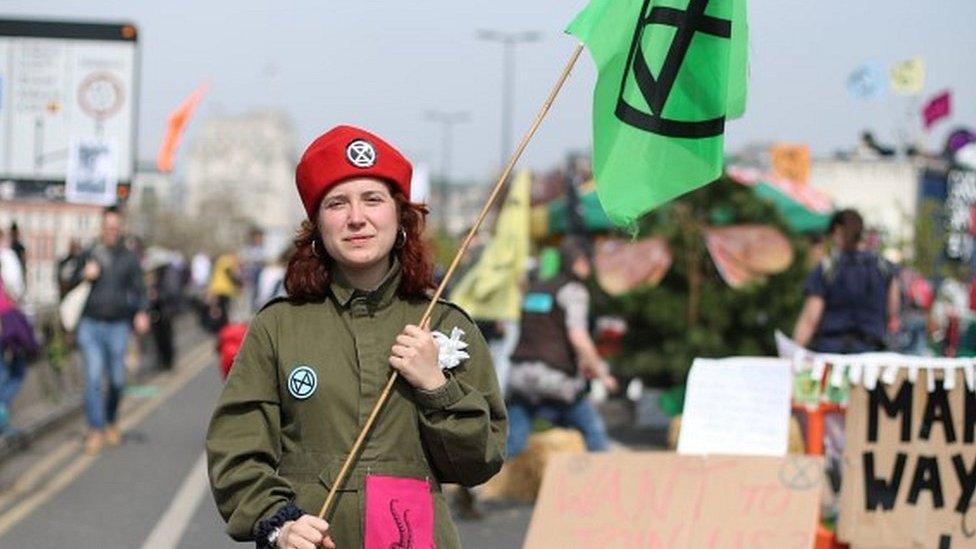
{"points": [[399, 514]]}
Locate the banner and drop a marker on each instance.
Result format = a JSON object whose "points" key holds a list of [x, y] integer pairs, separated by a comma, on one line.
{"points": [[490, 290], [909, 468], [657, 499], [959, 206]]}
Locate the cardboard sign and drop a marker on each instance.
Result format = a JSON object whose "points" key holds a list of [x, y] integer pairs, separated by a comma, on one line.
{"points": [[737, 406], [663, 500], [910, 463]]}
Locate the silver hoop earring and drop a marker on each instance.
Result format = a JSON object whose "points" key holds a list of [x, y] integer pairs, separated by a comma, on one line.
{"points": [[315, 251], [401, 239]]}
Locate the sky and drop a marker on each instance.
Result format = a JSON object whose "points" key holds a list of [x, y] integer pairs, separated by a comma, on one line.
{"points": [[383, 64]]}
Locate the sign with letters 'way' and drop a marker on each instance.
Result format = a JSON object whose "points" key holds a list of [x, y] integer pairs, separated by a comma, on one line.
{"points": [[910, 463], [663, 500]]}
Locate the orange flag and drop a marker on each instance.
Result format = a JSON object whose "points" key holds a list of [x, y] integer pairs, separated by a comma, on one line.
{"points": [[174, 128], [791, 162]]}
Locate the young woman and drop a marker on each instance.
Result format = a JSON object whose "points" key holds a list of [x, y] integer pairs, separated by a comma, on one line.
{"points": [[313, 365]]}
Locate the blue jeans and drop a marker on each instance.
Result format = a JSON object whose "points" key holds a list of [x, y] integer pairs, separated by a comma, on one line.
{"points": [[102, 345], [12, 372], [580, 415]]}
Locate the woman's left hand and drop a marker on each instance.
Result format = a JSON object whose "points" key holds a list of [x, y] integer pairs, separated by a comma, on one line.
{"points": [[414, 355]]}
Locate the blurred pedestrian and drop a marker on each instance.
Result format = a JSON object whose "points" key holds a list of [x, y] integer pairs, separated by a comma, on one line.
{"points": [[271, 280], [17, 245], [253, 259], [199, 274], [852, 296], [313, 365], [11, 270], [951, 320], [13, 360], [852, 303], [67, 266], [224, 287], [163, 290], [555, 356], [116, 304]]}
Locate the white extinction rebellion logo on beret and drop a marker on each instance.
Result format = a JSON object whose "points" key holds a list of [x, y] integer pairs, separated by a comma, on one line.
{"points": [[361, 154]]}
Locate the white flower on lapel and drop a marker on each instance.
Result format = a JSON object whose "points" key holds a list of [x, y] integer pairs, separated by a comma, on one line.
{"points": [[451, 349]]}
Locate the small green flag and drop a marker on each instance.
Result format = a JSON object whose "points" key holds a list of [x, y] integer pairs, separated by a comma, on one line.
{"points": [[670, 73]]}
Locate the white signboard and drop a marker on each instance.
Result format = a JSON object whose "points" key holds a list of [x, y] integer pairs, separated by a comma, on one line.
{"points": [[92, 173], [57, 91], [737, 406]]}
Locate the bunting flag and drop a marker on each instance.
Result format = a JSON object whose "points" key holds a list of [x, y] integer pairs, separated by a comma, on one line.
{"points": [[670, 73], [490, 290], [871, 368], [175, 125], [908, 77], [936, 109], [867, 81]]}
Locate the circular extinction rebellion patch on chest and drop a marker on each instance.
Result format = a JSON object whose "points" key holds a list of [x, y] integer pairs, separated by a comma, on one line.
{"points": [[302, 382]]}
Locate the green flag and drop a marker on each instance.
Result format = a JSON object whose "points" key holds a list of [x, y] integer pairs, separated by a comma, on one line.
{"points": [[670, 73]]}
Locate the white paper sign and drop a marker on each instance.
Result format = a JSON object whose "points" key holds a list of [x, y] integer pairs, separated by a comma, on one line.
{"points": [[92, 173], [737, 406]]}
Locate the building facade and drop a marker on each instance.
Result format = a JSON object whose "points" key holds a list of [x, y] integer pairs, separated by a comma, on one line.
{"points": [[47, 229], [240, 173], [886, 192]]}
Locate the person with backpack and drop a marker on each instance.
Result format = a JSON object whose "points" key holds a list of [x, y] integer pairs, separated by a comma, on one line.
{"points": [[555, 357]]}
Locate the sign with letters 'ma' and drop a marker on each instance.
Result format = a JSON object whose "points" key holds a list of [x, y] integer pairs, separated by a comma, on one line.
{"points": [[664, 500], [910, 463]]}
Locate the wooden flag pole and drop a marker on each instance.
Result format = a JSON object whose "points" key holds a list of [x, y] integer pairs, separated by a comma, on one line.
{"points": [[357, 446]]}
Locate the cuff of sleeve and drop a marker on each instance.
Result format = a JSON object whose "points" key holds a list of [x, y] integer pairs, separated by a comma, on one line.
{"points": [[289, 511], [440, 398]]}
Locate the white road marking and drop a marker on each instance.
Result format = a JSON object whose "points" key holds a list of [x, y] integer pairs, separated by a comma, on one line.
{"points": [[196, 364], [174, 521]]}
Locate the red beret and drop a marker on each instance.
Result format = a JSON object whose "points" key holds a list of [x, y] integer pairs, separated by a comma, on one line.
{"points": [[346, 152]]}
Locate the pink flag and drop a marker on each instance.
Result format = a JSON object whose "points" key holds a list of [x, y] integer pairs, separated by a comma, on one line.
{"points": [[936, 109], [399, 514]]}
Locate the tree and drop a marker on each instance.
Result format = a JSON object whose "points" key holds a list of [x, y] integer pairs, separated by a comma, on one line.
{"points": [[693, 312]]}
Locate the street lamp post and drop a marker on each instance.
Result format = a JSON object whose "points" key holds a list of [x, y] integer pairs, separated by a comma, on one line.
{"points": [[509, 41], [447, 120]]}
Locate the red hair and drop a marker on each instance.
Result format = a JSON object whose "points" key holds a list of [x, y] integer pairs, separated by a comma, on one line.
{"points": [[307, 277]]}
